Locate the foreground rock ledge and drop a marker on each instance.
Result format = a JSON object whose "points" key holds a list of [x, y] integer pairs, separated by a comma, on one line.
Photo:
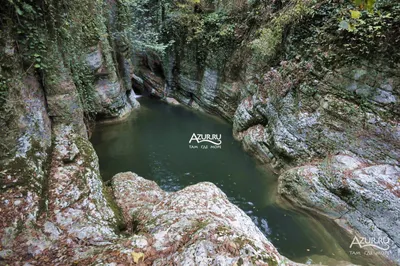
{"points": [[194, 226]]}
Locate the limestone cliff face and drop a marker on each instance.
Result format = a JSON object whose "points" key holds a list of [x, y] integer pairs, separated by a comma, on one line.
{"points": [[310, 98], [51, 190], [326, 118], [52, 194], [55, 78], [360, 197], [113, 96], [306, 109], [312, 123], [55, 208]]}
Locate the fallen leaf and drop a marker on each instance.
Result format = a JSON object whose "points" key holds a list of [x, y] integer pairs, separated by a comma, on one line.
{"points": [[355, 14], [137, 256]]}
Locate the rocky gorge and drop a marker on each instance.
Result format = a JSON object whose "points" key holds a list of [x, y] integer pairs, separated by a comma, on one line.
{"points": [[325, 119], [326, 125]]}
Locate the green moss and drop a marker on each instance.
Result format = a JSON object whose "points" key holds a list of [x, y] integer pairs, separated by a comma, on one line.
{"points": [[201, 224], [53, 40], [23, 168], [241, 241], [271, 261], [89, 156], [270, 37], [120, 223]]}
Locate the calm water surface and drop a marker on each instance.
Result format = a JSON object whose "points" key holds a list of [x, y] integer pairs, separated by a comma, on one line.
{"points": [[153, 143]]}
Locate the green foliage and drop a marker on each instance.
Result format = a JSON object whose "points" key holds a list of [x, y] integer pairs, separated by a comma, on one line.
{"points": [[6, 67], [4, 85], [52, 38], [140, 22], [352, 17], [367, 32], [79, 32], [340, 33], [365, 4], [84, 80], [270, 37], [209, 38], [155, 27], [31, 34]]}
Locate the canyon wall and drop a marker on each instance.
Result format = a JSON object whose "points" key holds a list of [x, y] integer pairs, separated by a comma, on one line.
{"points": [[56, 77], [316, 99], [64, 66]]}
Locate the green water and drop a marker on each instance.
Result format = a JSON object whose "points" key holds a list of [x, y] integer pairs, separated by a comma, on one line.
{"points": [[154, 143]]}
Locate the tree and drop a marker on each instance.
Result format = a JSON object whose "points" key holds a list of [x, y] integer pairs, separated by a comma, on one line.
{"points": [[140, 23]]}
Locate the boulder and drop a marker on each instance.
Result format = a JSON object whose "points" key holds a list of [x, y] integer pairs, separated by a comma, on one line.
{"points": [[362, 198], [172, 101], [194, 226]]}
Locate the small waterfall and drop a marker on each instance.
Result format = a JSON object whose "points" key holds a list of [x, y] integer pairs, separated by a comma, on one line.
{"points": [[165, 92], [132, 98]]}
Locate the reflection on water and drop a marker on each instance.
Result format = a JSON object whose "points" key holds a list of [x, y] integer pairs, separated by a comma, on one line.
{"points": [[154, 143]]}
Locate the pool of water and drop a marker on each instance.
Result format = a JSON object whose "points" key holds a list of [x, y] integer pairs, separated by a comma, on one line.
{"points": [[154, 143]]}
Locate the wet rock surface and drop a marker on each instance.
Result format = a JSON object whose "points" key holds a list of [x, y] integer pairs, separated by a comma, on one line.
{"points": [[111, 94], [362, 198], [209, 94]]}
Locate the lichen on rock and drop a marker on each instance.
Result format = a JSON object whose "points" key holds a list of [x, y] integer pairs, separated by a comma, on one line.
{"points": [[194, 226], [361, 198]]}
